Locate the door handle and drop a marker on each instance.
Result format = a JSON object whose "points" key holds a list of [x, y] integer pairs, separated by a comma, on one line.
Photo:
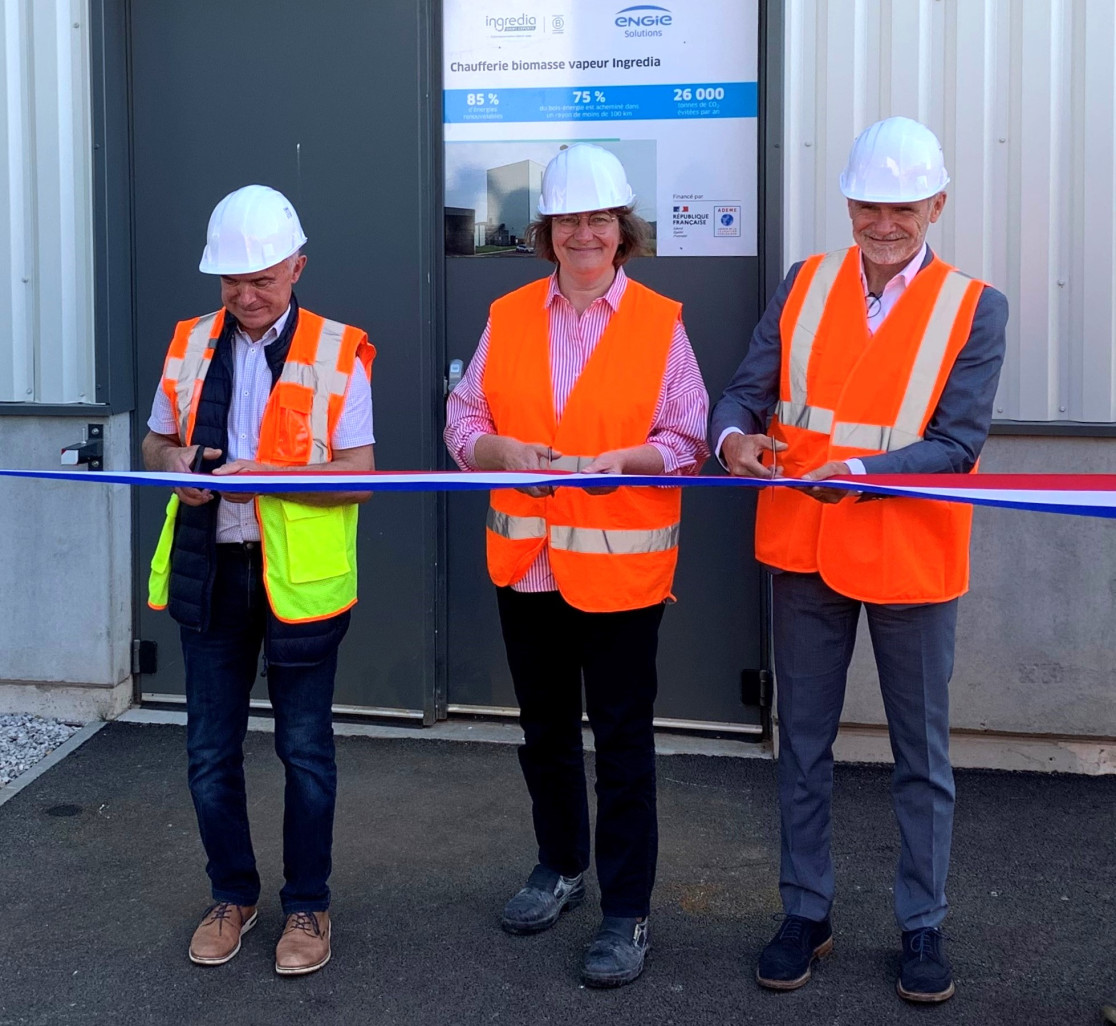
{"points": [[454, 373]]}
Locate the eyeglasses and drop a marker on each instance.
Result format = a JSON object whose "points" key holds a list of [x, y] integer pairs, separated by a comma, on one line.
{"points": [[598, 223], [874, 304]]}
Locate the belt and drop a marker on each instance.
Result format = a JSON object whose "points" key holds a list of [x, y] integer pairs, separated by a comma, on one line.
{"points": [[241, 546]]}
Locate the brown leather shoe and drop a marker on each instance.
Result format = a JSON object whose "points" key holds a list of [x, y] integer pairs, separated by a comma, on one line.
{"points": [[217, 937], [304, 946]]}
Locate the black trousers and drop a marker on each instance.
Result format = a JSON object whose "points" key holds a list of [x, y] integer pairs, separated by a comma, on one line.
{"points": [[552, 649]]}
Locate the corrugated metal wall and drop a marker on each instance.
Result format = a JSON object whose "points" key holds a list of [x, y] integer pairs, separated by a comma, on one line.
{"points": [[46, 248], [1022, 94]]}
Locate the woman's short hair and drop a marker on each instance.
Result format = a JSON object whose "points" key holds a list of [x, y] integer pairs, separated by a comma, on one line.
{"points": [[635, 236]]}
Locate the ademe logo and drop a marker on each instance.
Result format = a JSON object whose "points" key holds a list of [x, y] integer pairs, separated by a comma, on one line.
{"points": [[505, 23], [643, 20]]}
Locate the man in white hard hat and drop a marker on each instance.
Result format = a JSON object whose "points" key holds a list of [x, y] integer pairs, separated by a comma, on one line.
{"points": [[261, 384], [879, 359], [585, 369]]}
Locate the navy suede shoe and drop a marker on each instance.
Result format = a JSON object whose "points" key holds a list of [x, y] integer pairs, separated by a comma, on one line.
{"points": [[925, 974], [538, 905], [617, 953], [785, 963]]}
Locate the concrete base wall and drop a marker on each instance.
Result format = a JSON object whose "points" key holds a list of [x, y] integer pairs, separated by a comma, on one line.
{"points": [[66, 603], [71, 703], [1036, 646]]}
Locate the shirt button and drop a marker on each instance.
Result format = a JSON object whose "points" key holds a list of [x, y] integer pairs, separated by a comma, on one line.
{"points": [[246, 391], [243, 436]]}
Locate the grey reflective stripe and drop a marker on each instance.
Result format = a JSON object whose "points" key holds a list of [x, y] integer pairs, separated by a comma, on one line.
{"points": [[173, 368], [613, 542], [809, 317], [333, 382], [871, 436], [310, 376], [810, 418], [193, 366], [915, 407], [325, 360], [574, 464], [515, 528]]}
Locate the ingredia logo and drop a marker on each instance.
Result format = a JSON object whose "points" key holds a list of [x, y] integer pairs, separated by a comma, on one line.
{"points": [[510, 23], [643, 20]]}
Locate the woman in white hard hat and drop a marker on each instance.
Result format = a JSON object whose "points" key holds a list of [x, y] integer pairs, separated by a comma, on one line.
{"points": [[584, 370]]}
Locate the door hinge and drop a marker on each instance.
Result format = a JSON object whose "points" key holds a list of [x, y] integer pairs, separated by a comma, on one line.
{"points": [[145, 656], [755, 688]]}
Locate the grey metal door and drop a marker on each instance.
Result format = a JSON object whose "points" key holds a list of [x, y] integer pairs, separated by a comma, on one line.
{"points": [[326, 102], [715, 632]]}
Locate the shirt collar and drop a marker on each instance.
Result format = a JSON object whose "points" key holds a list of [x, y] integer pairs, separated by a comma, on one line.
{"points": [[907, 274], [272, 333], [613, 296]]}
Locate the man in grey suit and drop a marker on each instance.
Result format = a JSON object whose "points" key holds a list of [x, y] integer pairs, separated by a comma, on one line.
{"points": [[879, 359]]}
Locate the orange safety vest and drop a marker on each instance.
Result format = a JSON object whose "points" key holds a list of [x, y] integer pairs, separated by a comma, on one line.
{"points": [[309, 552], [844, 392], [607, 552]]}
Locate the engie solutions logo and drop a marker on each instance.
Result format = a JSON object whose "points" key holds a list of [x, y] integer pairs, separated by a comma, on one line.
{"points": [[643, 20], [510, 24]]}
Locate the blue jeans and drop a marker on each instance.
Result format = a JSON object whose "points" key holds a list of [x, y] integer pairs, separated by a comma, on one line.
{"points": [[221, 667], [814, 633]]}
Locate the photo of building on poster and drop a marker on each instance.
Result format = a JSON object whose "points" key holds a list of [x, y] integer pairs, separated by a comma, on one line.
{"points": [[670, 88], [492, 190]]}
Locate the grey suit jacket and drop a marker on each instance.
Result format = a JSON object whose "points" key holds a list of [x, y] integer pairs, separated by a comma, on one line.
{"points": [[958, 427]]}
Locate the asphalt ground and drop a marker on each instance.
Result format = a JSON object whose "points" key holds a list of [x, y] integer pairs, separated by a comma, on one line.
{"points": [[102, 883]]}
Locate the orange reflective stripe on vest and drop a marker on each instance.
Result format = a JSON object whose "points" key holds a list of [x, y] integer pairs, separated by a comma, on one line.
{"points": [[607, 552], [845, 392]]}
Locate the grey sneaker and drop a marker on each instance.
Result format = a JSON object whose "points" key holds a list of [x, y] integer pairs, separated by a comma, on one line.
{"points": [[617, 953], [1108, 1009], [538, 905]]}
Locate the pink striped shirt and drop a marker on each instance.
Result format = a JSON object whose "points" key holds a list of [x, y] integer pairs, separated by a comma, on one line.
{"points": [[678, 426]]}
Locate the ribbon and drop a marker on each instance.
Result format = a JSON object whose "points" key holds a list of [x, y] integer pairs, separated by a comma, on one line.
{"points": [[1079, 494]]}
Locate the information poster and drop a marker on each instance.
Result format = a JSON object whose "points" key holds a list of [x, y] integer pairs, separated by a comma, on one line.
{"points": [[670, 88]]}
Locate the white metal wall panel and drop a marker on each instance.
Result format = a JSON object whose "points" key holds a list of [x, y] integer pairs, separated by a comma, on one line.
{"points": [[46, 223], [17, 357], [1022, 94]]}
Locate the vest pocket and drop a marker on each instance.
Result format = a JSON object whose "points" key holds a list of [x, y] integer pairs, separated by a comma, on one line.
{"points": [[286, 434], [317, 542]]}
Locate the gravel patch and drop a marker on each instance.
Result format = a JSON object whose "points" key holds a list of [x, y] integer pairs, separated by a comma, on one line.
{"points": [[24, 740]]}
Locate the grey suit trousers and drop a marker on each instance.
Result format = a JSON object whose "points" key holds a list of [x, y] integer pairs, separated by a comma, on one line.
{"points": [[814, 631]]}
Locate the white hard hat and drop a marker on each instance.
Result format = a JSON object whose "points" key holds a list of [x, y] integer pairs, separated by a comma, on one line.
{"points": [[584, 177], [250, 229], [896, 160]]}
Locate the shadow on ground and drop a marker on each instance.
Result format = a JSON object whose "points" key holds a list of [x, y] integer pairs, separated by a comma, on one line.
{"points": [[103, 881]]}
